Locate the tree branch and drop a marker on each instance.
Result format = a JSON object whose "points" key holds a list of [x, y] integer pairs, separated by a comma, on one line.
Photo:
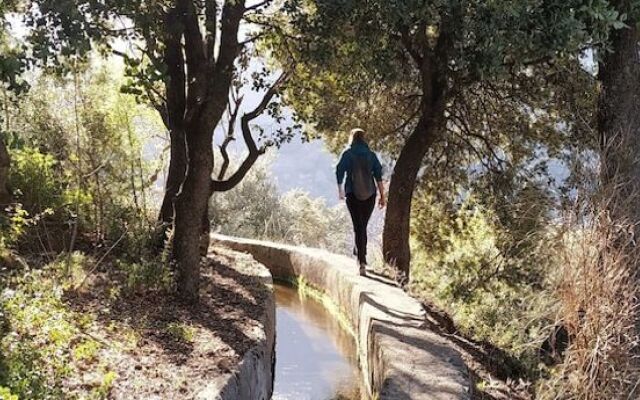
{"points": [[405, 39], [195, 57], [175, 80], [252, 39], [218, 92], [225, 157], [233, 114], [258, 5], [254, 151], [211, 26]]}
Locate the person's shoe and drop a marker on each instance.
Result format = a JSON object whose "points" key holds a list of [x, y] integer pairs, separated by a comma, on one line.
{"points": [[363, 269]]}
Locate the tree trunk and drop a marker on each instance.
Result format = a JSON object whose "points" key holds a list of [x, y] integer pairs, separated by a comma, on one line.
{"points": [[190, 205], [173, 116], [619, 124], [5, 162], [619, 129], [205, 230], [395, 236], [175, 176]]}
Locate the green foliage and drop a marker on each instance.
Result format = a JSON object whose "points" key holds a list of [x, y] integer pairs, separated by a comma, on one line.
{"points": [[5, 394], [14, 225], [181, 332], [460, 244], [147, 274], [13, 58], [77, 170], [44, 344], [494, 279], [102, 392], [39, 186], [33, 357], [356, 65], [77, 152], [255, 209], [86, 351]]}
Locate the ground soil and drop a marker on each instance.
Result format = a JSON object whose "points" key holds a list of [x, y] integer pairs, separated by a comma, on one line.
{"points": [[160, 348]]}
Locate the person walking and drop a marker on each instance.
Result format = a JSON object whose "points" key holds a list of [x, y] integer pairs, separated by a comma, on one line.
{"points": [[363, 173]]}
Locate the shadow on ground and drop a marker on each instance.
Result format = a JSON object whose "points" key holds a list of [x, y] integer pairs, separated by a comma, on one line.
{"points": [[227, 310]]}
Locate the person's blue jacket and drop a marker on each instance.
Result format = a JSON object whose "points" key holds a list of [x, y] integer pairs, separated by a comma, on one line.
{"points": [[344, 165]]}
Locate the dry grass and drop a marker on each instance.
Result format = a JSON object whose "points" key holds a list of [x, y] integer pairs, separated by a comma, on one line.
{"points": [[599, 308]]}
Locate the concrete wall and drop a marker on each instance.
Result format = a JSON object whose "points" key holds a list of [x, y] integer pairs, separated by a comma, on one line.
{"points": [[253, 378], [400, 359]]}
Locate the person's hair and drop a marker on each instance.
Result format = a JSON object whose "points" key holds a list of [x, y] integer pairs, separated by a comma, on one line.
{"points": [[357, 135]]}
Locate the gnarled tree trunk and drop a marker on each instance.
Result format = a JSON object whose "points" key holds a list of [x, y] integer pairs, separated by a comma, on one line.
{"points": [[395, 237], [190, 204], [202, 94], [619, 129]]}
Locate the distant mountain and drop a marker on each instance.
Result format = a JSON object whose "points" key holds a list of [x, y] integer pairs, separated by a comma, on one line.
{"points": [[307, 166]]}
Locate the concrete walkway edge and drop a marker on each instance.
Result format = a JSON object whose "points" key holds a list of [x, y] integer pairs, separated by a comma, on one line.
{"points": [[252, 378], [399, 357]]}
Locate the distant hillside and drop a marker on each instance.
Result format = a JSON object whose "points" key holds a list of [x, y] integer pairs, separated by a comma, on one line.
{"points": [[307, 166]]}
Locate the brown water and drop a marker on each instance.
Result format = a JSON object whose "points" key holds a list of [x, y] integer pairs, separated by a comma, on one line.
{"points": [[315, 357]]}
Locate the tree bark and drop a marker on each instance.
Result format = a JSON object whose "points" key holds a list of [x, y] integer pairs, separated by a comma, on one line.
{"points": [[203, 97], [175, 176], [5, 163], [396, 232], [619, 129], [619, 123], [395, 236], [176, 104], [190, 205]]}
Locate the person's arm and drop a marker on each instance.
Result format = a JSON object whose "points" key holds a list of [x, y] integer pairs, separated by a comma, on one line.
{"points": [[377, 174], [341, 169]]}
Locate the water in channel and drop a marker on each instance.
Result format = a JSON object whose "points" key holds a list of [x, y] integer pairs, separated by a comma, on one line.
{"points": [[315, 357]]}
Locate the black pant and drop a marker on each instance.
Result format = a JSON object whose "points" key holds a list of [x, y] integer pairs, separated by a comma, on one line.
{"points": [[360, 211]]}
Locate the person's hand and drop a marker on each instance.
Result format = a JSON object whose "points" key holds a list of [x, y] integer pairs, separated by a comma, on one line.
{"points": [[382, 202], [341, 194]]}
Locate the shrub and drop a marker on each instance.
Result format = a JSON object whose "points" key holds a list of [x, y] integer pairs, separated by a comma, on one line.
{"points": [[255, 209], [37, 184], [33, 356], [480, 271], [147, 275], [77, 154]]}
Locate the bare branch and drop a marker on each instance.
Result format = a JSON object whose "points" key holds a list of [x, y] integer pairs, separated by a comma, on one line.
{"points": [[252, 39], [225, 157], [259, 5], [217, 96], [233, 114], [254, 151]]}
